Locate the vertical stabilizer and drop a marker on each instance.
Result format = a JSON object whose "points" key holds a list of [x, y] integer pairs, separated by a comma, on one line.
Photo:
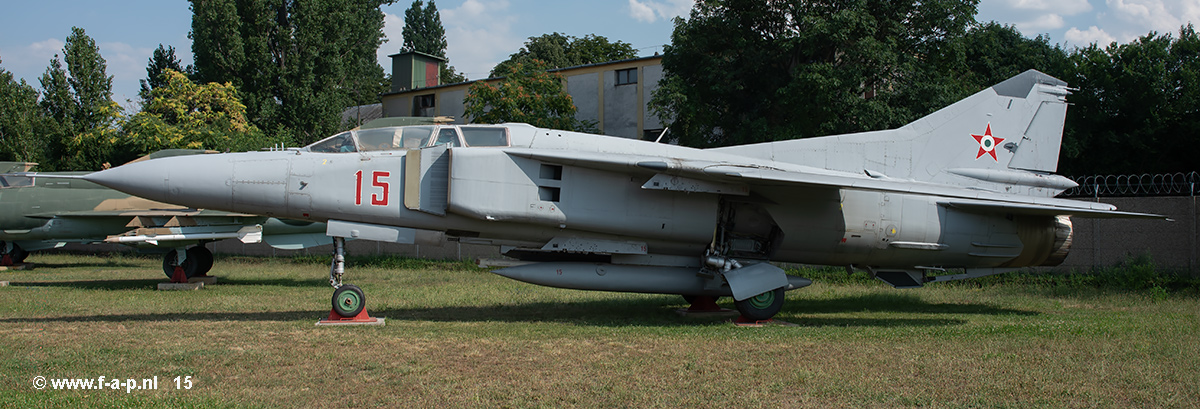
{"points": [[1003, 138]]}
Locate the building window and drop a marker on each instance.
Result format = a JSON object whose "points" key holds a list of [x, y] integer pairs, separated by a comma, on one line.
{"points": [[423, 105], [626, 77]]}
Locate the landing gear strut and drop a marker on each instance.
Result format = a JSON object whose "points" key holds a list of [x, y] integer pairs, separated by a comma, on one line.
{"points": [[349, 302], [758, 307]]}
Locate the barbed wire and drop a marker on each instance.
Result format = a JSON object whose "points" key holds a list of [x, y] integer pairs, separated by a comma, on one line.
{"points": [[1168, 184]]}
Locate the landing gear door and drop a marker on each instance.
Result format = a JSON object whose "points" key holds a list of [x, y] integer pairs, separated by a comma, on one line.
{"points": [[427, 179]]}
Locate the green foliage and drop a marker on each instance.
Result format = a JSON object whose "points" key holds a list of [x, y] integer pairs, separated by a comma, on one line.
{"points": [[528, 93], [78, 108], [184, 115], [297, 63], [162, 59], [741, 72], [20, 120], [559, 51], [423, 32], [1137, 107]]}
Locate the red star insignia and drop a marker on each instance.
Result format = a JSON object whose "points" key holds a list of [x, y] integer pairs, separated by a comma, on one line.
{"points": [[987, 143]]}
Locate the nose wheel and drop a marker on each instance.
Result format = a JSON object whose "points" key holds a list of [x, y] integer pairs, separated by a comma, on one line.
{"points": [[349, 302]]}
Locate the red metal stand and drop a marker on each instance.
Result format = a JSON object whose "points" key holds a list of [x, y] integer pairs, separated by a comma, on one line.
{"points": [[179, 276], [361, 317], [6, 260]]}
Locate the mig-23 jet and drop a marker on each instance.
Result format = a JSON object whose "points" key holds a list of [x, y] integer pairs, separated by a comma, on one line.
{"points": [[47, 210], [969, 187]]}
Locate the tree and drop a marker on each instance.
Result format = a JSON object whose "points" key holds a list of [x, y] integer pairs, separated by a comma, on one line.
{"points": [[741, 72], [162, 59], [528, 93], [423, 32], [78, 106], [181, 114], [296, 63], [20, 120], [1137, 106], [559, 51]]}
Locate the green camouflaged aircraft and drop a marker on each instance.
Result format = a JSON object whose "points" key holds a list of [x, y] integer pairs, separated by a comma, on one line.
{"points": [[38, 212]]}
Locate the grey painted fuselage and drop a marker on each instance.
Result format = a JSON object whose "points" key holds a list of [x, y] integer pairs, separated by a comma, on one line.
{"points": [[970, 186]]}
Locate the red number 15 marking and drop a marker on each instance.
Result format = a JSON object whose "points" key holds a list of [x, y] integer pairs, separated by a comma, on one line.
{"points": [[376, 199]]}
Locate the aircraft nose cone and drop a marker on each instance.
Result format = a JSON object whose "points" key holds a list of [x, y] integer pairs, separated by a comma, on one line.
{"points": [[199, 181], [144, 179]]}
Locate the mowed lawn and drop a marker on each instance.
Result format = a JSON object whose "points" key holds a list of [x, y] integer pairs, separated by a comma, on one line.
{"points": [[459, 336]]}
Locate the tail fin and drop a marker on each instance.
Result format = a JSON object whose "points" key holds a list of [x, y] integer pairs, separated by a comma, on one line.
{"points": [[1017, 124], [1005, 138]]}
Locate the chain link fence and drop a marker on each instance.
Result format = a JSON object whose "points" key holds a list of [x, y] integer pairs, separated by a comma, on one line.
{"points": [[1169, 184]]}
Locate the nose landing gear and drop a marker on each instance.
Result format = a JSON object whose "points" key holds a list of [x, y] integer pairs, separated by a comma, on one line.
{"points": [[349, 302]]}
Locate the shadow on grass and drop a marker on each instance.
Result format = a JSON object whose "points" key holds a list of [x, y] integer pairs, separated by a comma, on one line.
{"points": [[886, 302], [650, 311], [152, 284], [86, 264], [147, 284]]}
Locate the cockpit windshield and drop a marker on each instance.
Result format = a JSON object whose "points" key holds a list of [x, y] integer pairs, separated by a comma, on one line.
{"points": [[343, 142], [411, 137]]}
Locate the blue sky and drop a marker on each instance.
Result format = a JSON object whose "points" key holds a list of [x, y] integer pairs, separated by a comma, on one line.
{"points": [[482, 33]]}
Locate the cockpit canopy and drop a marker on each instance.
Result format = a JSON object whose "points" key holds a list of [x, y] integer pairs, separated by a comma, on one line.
{"points": [[412, 137]]}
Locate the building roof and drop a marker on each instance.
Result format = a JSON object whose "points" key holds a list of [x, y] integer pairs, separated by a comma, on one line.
{"points": [[427, 55]]}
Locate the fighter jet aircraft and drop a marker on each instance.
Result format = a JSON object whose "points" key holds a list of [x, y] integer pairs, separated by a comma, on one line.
{"points": [[968, 187], [43, 211]]}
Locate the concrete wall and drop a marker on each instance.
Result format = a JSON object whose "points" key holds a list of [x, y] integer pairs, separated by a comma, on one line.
{"points": [[621, 108], [585, 92], [1104, 242], [618, 110]]}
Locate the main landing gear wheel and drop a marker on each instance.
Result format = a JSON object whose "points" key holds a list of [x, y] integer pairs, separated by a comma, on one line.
{"points": [[349, 300], [761, 307], [13, 255], [203, 257], [189, 265]]}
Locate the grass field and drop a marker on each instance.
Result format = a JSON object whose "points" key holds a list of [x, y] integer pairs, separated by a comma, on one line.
{"points": [[458, 336]]}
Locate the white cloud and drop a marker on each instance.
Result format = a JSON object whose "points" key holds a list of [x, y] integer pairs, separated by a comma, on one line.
{"points": [[393, 29], [30, 61], [1139, 17], [126, 64], [1040, 24], [479, 34], [641, 12], [648, 11], [1064, 7], [1093, 34]]}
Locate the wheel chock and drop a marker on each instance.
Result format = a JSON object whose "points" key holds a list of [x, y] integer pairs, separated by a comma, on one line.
{"points": [[361, 319], [178, 276]]}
